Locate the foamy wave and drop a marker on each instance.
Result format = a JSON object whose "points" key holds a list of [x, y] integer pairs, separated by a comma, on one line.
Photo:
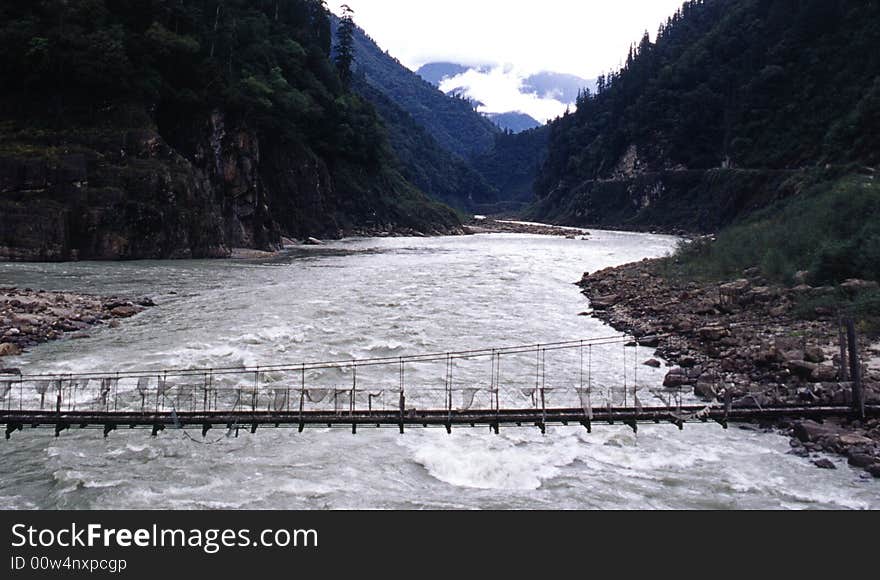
{"points": [[492, 462]]}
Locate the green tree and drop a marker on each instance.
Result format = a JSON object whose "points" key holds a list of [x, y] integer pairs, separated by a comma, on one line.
{"points": [[345, 45]]}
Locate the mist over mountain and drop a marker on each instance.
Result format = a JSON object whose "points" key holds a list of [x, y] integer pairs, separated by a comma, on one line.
{"points": [[507, 95], [560, 86]]}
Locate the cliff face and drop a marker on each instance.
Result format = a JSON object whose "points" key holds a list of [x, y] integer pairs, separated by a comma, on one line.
{"points": [[182, 131], [116, 195], [129, 194], [195, 192]]}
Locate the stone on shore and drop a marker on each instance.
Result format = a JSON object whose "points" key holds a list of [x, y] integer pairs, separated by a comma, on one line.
{"points": [[124, 311], [9, 349], [746, 341], [30, 317], [809, 431]]}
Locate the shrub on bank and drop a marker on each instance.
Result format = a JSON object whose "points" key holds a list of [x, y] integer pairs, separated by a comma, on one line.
{"points": [[831, 231]]}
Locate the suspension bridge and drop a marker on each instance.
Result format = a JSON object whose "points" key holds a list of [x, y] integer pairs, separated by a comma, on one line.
{"points": [[583, 383]]}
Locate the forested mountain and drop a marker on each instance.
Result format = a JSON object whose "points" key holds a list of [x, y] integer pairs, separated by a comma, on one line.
{"points": [[512, 165], [436, 171], [714, 118], [452, 122], [133, 129], [515, 122]]}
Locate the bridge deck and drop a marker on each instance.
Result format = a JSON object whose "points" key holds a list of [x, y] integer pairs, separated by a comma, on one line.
{"points": [[632, 416]]}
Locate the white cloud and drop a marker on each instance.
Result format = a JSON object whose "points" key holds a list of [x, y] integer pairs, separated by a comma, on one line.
{"points": [[500, 90], [582, 37]]}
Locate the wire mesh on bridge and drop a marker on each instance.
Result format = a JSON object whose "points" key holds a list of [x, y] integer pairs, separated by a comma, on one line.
{"points": [[583, 374]]}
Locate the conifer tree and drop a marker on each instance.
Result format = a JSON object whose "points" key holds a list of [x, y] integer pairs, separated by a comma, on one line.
{"points": [[345, 45]]}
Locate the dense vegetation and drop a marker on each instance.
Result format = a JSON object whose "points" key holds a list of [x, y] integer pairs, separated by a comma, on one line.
{"points": [[433, 135], [823, 231], [830, 231], [266, 60], [763, 114], [512, 165], [78, 75], [775, 84], [439, 173]]}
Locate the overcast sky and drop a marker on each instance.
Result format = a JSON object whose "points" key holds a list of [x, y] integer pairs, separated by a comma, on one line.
{"points": [[582, 37]]}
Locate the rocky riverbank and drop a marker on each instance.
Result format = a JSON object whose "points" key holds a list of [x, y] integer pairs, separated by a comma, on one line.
{"points": [[492, 226], [741, 341], [31, 317]]}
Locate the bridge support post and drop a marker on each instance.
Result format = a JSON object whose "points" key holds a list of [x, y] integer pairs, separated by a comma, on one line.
{"points": [[12, 428], [855, 369], [402, 411]]}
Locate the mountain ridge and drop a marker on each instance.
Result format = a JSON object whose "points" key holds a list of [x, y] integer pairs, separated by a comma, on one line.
{"points": [[727, 90]]}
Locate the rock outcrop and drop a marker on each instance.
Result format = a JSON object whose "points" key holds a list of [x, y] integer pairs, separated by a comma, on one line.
{"points": [[193, 188]]}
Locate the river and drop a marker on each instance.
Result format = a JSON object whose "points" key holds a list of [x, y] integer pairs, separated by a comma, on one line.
{"points": [[385, 297]]}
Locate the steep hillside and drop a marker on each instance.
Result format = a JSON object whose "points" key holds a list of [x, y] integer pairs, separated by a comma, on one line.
{"points": [[439, 173], [733, 100], [151, 129], [451, 122], [512, 165]]}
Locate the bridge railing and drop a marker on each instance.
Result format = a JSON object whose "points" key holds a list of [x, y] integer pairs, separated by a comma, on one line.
{"points": [[586, 373]]}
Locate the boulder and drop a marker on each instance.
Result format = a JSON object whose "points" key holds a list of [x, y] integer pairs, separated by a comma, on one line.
{"points": [[751, 400], [855, 286], [705, 390], [861, 460], [823, 374], [874, 469], [810, 431], [814, 354], [604, 302], [800, 368], [824, 464], [687, 362], [653, 363], [124, 311], [713, 333], [778, 311], [852, 439], [736, 286], [9, 349], [676, 378]]}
